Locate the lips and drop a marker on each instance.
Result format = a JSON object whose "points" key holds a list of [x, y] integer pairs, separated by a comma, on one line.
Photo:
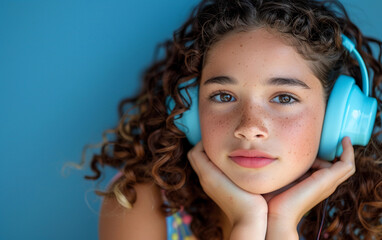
{"points": [[251, 158]]}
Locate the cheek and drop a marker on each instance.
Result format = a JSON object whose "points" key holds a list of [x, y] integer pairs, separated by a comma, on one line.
{"points": [[215, 129], [301, 133]]}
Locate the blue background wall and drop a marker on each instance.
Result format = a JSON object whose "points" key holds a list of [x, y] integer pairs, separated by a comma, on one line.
{"points": [[64, 66]]}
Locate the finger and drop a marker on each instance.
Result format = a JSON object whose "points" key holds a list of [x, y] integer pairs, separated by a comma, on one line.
{"points": [[321, 184], [342, 169], [201, 163], [348, 150], [319, 164], [195, 156], [347, 162], [330, 175]]}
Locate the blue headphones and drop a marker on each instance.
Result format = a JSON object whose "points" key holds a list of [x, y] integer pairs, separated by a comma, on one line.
{"points": [[349, 112]]}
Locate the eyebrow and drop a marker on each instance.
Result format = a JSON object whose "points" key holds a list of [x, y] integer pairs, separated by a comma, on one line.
{"points": [[288, 81], [220, 80], [279, 81]]}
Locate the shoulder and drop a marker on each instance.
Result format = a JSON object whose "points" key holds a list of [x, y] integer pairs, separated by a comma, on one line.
{"points": [[119, 223]]}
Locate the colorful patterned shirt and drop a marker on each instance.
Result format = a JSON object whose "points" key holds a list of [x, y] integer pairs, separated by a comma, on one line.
{"points": [[178, 224]]}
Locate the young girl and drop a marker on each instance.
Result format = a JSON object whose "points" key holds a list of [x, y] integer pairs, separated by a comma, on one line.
{"points": [[264, 71]]}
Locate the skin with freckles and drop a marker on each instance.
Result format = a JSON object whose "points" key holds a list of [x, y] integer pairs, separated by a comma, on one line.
{"points": [[258, 93]]}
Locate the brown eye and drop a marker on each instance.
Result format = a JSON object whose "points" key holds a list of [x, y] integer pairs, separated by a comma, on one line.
{"points": [[284, 99], [222, 98]]}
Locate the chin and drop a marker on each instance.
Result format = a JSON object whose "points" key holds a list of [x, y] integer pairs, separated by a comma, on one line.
{"points": [[263, 186], [260, 189]]}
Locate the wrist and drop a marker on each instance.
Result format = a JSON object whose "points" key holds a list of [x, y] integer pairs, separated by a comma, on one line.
{"points": [[254, 226], [281, 230]]}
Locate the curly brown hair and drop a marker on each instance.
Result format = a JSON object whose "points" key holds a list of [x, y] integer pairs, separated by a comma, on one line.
{"points": [[149, 148]]}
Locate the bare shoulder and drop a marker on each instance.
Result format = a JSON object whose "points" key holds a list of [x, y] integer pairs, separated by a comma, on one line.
{"points": [[144, 221]]}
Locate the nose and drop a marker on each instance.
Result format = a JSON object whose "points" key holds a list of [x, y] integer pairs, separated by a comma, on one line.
{"points": [[251, 125]]}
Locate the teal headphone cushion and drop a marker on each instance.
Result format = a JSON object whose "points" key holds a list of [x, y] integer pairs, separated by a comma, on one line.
{"points": [[348, 113]]}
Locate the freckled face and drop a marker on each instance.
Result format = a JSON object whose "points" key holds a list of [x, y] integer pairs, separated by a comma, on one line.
{"points": [[258, 94]]}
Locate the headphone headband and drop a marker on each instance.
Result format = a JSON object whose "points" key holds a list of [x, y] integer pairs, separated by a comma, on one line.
{"points": [[350, 46]]}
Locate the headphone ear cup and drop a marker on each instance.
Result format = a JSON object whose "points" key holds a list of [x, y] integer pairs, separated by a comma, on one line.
{"points": [[348, 113], [188, 122]]}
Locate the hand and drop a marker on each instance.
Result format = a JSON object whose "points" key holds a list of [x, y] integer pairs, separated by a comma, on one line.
{"points": [[286, 209], [246, 212]]}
